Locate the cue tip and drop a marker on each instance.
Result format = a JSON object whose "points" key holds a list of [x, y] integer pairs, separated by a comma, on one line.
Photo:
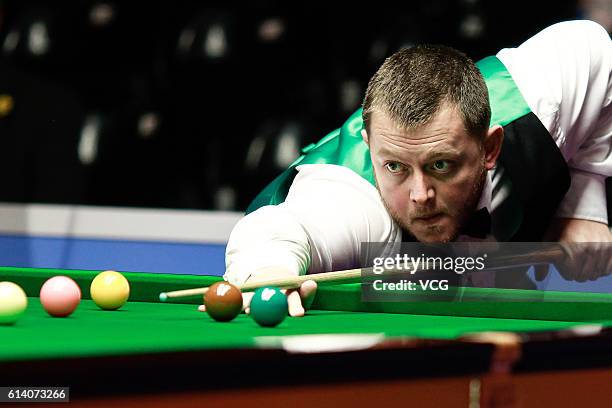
{"points": [[163, 297]]}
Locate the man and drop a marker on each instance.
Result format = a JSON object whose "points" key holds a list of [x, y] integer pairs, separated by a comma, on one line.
{"points": [[442, 146]]}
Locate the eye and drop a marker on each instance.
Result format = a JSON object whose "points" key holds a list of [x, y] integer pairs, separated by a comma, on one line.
{"points": [[394, 167], [441, 166]]}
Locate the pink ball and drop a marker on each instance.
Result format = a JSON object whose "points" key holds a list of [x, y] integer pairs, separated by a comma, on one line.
{"points": [[60, 295]]}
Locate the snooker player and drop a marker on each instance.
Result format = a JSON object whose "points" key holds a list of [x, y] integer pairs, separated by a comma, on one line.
{"points": [[514, 148]]}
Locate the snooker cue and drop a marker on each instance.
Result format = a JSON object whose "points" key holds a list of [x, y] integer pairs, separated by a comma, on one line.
{"points": [[554, 252], [290, 282]]}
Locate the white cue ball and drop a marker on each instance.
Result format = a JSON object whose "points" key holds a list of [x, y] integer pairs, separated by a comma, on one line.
{"points": [[13, 302]]}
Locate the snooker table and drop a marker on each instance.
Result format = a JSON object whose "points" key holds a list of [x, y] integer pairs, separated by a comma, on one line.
{"points": [[493, 347]]}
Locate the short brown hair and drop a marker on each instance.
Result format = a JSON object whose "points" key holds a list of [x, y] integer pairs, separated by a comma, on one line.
{"points": [[413, 83]]}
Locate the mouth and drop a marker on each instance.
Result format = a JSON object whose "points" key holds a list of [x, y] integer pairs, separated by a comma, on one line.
{"points": [[429, 219]]}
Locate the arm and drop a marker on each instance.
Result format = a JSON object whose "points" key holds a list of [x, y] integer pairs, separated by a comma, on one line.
{"points": [[327, 214], [564, 74]]}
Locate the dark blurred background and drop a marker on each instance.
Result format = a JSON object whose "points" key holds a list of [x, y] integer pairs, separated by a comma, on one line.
{"points": [[195, 104]]}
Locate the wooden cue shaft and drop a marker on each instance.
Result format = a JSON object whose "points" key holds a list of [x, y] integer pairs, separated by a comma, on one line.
{"points": [[546, 255], [291, 282], [347, 276], [354, 275]]}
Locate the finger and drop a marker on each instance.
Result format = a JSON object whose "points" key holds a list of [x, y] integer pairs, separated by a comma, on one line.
{"points": [[588, 262], [540, 272], [602, 261], [569, 267], [201, 308], [585, 262], [307, 292], [593, 265], [599, 262], [607, 255], [246, 301], [580, 272], [568, 250], [295, 304], [607, 261]]}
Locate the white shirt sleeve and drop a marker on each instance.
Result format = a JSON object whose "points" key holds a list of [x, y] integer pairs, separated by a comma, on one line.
{"points": [[329, 211], [564, 74]]}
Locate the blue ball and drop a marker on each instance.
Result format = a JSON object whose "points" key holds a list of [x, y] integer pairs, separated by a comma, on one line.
{"points": [[269, 306]]}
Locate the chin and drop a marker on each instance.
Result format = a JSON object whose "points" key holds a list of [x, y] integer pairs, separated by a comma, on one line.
{"points": [[434, 238], [435, 234]]}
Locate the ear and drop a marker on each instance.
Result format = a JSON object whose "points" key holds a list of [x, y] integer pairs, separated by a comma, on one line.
{"points": [[364, 135], [492, 145]]}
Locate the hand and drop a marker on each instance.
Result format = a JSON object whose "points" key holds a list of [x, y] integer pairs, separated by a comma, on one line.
{"points": [[586, 260], [587, 245], [298, 299]]}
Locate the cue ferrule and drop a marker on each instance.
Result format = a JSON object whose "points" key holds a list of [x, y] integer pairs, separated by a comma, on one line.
{"points": [[164, 296]]}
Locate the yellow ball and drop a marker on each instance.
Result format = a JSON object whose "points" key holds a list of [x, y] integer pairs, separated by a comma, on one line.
{"points": [[13, 302], [109, 290]]}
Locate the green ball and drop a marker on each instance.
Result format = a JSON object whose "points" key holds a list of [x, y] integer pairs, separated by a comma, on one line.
{"points": [[269, 306]]}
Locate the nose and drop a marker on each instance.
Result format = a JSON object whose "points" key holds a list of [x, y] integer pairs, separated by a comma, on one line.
{"points": [[420, 190]]}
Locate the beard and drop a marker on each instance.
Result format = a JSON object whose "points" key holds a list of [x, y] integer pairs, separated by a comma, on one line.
{"points": [[460, 215]]}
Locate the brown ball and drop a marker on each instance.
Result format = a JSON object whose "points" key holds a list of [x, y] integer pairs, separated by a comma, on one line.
{"points": [[223, 301]]}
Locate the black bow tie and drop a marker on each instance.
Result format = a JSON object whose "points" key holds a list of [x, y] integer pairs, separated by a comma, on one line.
{"points": [[478, 225]]}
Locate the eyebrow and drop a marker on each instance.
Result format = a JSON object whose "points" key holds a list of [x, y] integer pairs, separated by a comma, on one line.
{"points": [[444, 151]]}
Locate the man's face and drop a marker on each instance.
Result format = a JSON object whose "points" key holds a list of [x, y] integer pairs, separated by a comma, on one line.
{"points": [[429, 178]]}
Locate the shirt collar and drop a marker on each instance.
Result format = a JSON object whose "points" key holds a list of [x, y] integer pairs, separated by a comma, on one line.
{"points": [[487, 193]]}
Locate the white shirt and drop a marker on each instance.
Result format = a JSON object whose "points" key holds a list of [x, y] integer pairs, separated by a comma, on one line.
{"points": [[330, 210]]}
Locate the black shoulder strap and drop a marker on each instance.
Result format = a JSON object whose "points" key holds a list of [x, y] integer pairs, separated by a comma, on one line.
{"points": [[539, 174]]}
